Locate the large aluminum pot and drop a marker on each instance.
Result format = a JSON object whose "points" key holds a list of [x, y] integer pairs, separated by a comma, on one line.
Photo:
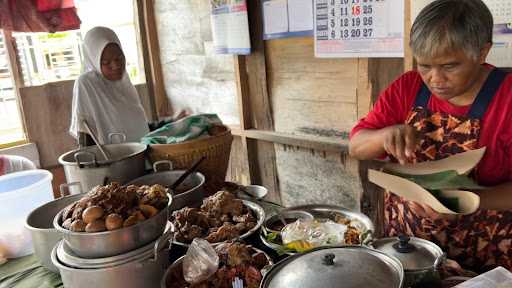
{"points": [[40, 224], [110, 243], [88, 167], [190, 193], [143, 267], [340, 266]]}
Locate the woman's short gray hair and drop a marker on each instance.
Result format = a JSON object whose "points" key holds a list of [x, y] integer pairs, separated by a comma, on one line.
{"points": [[451, 25]]}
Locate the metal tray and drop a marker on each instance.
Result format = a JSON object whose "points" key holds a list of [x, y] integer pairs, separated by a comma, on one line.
{"points": [[260, 216], [326, 212]]}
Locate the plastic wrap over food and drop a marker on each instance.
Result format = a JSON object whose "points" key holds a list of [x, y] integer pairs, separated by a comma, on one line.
{"points": [[314, 232], [200, 262]]}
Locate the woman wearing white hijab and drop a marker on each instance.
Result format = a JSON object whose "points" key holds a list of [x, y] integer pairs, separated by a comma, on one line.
{"points": [[103, 95]]}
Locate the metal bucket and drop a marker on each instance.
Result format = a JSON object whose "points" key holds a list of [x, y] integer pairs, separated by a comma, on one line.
{"points": [[126, 162]]}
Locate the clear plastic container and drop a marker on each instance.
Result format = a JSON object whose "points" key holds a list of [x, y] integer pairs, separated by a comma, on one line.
{"points": [[20, 193]]}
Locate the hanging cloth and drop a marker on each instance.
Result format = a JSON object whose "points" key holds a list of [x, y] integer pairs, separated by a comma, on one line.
{"points": [[38, 15]]}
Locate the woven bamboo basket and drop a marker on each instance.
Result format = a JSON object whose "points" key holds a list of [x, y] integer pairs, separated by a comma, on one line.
{"points": [[216, 148]]}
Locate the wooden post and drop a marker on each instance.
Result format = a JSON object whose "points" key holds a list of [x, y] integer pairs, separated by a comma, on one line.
{"points": [[408, 57], [151, 50], [255, 108], [16, 74], [142, 35]]}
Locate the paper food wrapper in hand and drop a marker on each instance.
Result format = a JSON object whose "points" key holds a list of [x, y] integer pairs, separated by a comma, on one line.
{"points": [[461, 163], [497, 278], [200, 262]]}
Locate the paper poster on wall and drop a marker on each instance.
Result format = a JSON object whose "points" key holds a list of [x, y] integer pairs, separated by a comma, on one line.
{"points": [[501, 51], [230, 27], [501, 10], [287, 18], [359, 28]]}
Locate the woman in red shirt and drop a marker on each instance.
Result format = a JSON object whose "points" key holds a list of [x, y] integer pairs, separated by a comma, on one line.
{"points": [[454, 102]]}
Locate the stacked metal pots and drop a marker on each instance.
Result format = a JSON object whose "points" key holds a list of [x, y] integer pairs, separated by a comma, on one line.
{"points": [[138, 252], [142, 267]]}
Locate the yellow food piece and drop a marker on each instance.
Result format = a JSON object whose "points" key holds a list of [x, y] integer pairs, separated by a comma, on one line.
{"points": [[300, 246]]}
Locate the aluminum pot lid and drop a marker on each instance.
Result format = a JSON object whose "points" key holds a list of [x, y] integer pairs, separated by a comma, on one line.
{"points": [[351, 266], [414, 253]]}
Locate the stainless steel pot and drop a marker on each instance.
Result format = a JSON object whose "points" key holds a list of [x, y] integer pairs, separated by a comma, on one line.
{"points": [[421, 259], [126, 162], [143, 267], [40, 224], [189, 194], [340, 266], [110, 243]]}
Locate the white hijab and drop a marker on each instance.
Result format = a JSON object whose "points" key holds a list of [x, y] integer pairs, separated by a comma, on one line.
{"points": [[107, 106]]}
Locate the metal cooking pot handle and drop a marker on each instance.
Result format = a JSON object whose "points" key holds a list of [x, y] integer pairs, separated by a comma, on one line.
{"points": [[367, 238], [77, 158], [67, 185], [440, 261], [167, 237], [157, 163], [111, 137]]}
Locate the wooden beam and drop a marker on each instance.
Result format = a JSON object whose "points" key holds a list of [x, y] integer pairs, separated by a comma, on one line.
{"points": [[311, 142], [16, 74], [381, 72], [143, 36], [255, 108], [408, 57], [155, 67], [243, 92], [372, 199], [259, 99], [364, 89]]}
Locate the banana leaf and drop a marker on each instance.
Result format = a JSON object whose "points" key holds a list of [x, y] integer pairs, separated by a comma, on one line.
{"points": [[445, 180], [451, 203]]}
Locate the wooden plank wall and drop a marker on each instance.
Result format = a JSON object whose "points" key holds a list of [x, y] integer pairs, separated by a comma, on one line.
{"points": [[296, 112], [310, 94]]}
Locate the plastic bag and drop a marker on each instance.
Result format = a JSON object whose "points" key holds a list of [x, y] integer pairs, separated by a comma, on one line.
{"points": [[313, 232], [200, 262]]}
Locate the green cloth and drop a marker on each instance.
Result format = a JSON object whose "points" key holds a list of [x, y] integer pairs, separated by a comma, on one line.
{"points": [[27, 272], [185, 129]]}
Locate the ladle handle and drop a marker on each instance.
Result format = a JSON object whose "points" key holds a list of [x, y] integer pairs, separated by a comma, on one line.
{"points": [[188, 172], [93, 136], [63, 186]]}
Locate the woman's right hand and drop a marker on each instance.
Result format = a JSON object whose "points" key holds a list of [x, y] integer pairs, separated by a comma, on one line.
{"points": [[400, 142]]}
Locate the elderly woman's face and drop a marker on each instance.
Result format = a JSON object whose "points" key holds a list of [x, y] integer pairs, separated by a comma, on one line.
{"points": [[112, 62], [451, 74]]}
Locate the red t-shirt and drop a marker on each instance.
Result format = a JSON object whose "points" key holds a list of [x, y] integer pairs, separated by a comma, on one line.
{"points": [[395, 103]]}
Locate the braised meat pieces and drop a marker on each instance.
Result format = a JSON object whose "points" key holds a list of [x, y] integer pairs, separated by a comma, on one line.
{"points": [[221, 217], [114, 206], [235, 260]]}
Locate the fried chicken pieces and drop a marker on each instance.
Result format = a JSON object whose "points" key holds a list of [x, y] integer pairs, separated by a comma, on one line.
{"points": [[113, 206], [221, 217]]}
